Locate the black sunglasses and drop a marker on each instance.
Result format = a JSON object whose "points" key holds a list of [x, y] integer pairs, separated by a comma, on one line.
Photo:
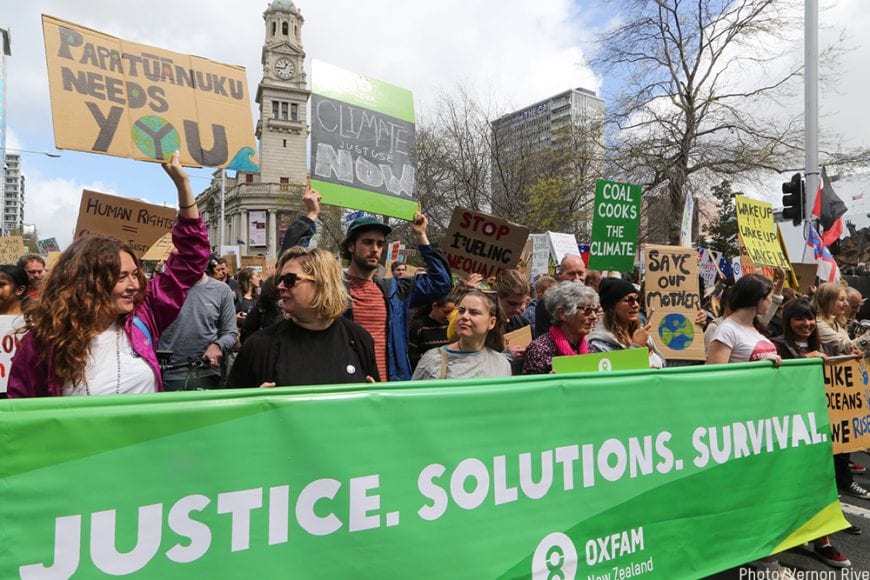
{"points": [[290, 278]]}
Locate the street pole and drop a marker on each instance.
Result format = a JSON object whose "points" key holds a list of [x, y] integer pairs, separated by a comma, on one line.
{"points": [[811, 104], [223, 205]]}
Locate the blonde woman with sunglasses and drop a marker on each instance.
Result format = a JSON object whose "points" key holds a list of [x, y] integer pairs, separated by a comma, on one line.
{"points": [[314, 344]]}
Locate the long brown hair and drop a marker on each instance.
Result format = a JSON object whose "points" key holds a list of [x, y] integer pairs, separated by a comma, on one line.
{"points": [[76, 298], [622, 334]]}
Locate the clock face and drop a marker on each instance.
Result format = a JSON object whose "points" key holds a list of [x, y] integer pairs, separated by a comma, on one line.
{"points": [[284, 68]]}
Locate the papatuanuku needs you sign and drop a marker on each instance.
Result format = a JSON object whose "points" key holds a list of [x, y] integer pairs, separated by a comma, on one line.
{"points": [[126, 99]]}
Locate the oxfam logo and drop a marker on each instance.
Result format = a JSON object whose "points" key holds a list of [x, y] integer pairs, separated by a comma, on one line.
{"points": [[555, 558], [155, 137], [676, 331]]}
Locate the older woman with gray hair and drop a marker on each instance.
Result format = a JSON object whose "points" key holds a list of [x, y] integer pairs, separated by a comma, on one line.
{"points": [[573, 308]]}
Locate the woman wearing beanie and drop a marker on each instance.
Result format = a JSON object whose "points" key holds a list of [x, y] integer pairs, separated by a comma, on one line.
{"points": [[620, 327]]}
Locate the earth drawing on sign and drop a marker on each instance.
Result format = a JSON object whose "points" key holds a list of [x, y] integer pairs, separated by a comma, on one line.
{"points": [[676, 331]]}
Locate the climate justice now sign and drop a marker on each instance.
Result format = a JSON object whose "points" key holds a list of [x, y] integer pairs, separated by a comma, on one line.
{"points": [[121, 98], [484, 478]]}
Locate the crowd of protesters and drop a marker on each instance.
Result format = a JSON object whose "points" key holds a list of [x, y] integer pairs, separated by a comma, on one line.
{"points": [[96, 326]]}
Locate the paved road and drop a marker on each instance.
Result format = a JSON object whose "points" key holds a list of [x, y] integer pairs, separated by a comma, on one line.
{"points": [[856, 548]]}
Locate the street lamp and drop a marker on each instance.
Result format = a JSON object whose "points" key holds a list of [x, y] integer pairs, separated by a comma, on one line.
{"points": [[46, 153]]}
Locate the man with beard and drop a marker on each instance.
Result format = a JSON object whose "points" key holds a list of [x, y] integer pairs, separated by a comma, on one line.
{"points": [[381, 306]]}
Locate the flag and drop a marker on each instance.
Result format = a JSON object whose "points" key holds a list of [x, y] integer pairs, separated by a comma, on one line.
{"points": [[827, 267], [829, 208], [858, 197], [240, 241]]}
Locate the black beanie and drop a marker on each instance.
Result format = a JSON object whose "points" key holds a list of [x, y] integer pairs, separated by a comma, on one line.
{"points": [[612, 290]]}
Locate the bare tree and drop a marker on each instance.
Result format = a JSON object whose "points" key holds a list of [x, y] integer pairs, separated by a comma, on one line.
{"points": [[689, 114]]}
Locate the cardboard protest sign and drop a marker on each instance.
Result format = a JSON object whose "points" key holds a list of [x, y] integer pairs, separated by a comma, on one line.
{"points": [[126, 99], [160, 250], [51, 260], [11, 248], [615, 360], [540, 261], [758, 233], [138, 223], [672, 295], [9, 342], [848, 393], [806, 276], [615, 225], [47, 245], [362, 142], [480, 243], [562, 245], [686, 225], [519, 337], [255, 262]]}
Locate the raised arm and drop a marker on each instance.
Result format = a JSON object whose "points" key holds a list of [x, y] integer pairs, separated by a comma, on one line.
{"points": [[186, 202]]}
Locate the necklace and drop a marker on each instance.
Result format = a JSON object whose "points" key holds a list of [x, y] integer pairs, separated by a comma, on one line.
{"points": [[117, 363]]}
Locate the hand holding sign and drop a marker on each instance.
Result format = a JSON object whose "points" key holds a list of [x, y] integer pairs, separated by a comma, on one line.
{"points": [[419, 226], [186, 202], [311, 199]]}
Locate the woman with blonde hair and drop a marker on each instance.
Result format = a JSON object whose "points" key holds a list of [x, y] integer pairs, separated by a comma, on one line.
{"points": [[314, 344], [95, 327], [832, 305]]}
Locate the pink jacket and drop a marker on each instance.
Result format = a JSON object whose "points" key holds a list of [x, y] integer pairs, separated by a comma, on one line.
{"points": [[30, 375]]}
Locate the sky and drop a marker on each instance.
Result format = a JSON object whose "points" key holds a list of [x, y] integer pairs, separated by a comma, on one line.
{"points": [[509, 51]]}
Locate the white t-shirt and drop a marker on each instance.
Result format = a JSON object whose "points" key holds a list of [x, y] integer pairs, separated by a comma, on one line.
{"points": [[109, 349], [746, 344]]}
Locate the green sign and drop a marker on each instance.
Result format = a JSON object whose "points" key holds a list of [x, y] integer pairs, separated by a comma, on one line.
{"points": [[362, 142], [615, 226], [617, 360], [531, 477]]}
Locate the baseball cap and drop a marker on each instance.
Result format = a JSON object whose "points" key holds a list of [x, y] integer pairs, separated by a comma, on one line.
{"points": [[366, 222]]}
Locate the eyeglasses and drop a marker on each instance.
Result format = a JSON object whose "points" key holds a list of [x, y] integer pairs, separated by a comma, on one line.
{"points": [[631, 300], [290, 278], [589, 311]]}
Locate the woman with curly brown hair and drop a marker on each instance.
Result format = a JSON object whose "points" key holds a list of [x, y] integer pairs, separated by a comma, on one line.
{"points": [[95, 328]]}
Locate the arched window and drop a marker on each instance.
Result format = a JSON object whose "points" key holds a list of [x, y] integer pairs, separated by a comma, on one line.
{"points": [[284, 28], [274, 28]]}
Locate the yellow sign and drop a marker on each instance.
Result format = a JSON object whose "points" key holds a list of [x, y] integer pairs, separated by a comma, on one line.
{"points": [[11, 248], [673, 299], [121, 98], [848, 392], [758, 233]]}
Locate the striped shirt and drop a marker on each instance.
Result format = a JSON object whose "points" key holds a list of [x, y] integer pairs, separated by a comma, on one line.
{"points": [[370, 312]]}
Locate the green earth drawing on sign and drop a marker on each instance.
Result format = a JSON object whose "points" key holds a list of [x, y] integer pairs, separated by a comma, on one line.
{"points": [[676, 331], [155, 137]]}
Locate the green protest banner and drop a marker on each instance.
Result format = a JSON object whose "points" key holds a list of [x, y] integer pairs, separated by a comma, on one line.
{"points": [[362, 142], [614, 226], [616, 360], [582, 475]]}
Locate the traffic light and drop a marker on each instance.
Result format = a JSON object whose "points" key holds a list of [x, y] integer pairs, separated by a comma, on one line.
{"points": [[793, 200]]}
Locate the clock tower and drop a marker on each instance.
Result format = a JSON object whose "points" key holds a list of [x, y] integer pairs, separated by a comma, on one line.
{"points": [[283, 96]]}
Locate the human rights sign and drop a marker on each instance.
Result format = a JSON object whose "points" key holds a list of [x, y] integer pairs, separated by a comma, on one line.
{"points": [[758, 233], [362, 142], [121, 98], [138, 223], [478, 243], [848, 390], [615, 225], [673, 297], [572, 476]]}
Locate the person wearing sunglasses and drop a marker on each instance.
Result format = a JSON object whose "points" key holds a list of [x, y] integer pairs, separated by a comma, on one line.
{"points": [[314, 344], [574, 313], [620, 327]]}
